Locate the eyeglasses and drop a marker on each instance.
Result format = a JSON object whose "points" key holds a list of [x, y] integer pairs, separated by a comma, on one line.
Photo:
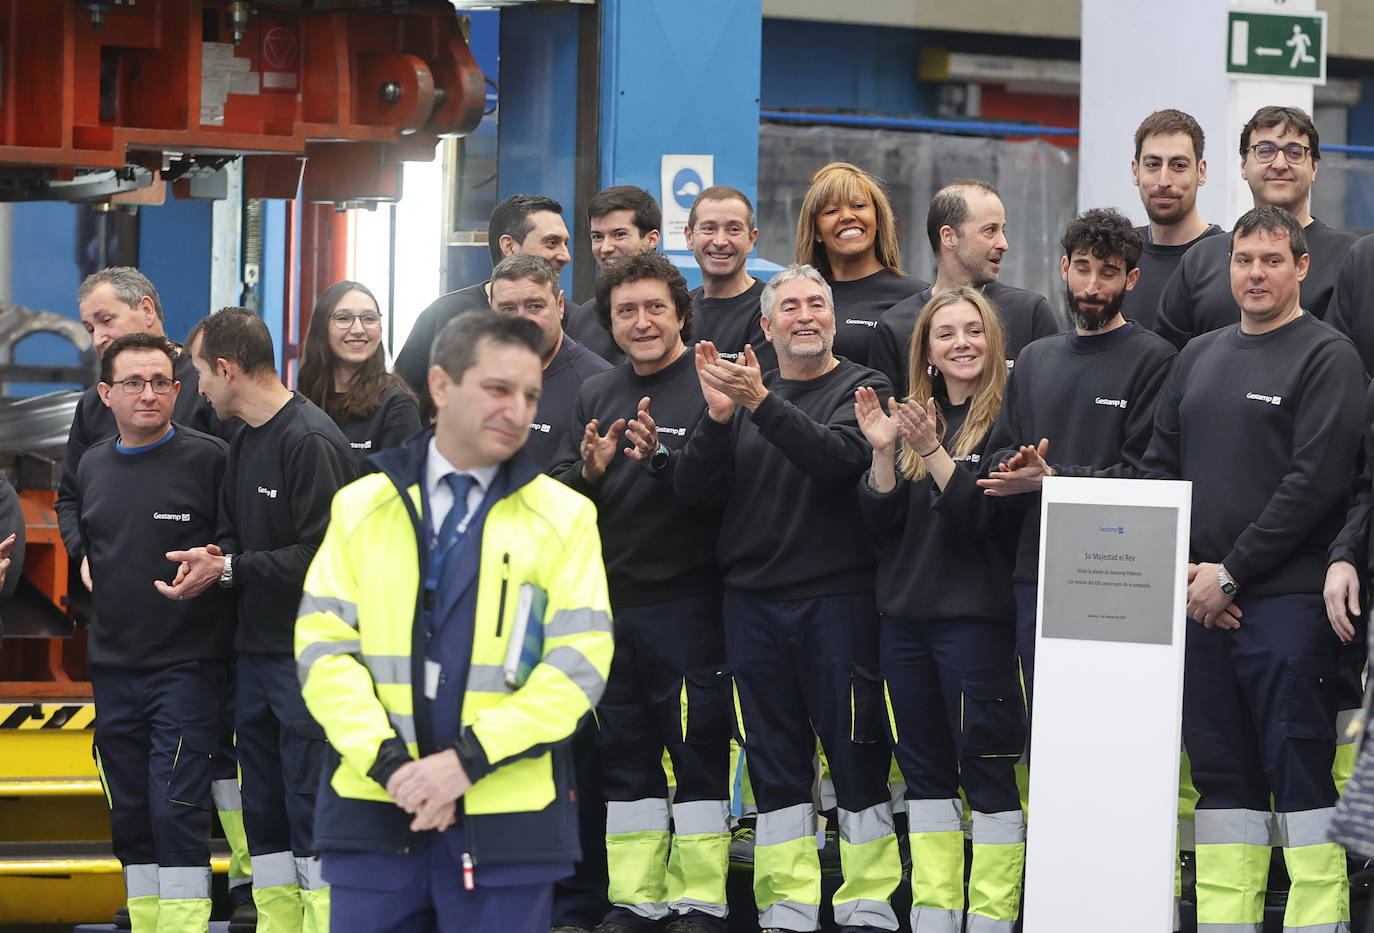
{"points": [[343, 320], [161, 385], [1293, 152]]}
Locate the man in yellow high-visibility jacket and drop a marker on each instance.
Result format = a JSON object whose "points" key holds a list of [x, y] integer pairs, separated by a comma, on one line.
{"points": [[455, 627]]}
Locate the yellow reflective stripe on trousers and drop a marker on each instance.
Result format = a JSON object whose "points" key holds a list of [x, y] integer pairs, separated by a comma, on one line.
{"points": [[637, 855], [788, 915], [1233, 826], [183, 883], [649, 814], [699, 858], [140, 880], [323, 649], [1232, 869], [999, 858], [872, 868], [309, 874], [787, 868], [1305, 827], [341, 609], [934, 816], [700, 817], [226, 795], [936, 920], [274, 869], [1319, 893]]}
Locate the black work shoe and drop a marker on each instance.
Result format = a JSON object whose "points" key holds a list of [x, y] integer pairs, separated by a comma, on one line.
{"points": [[121, 919], [742, 844], [244, 919], [830, 852], [564, 928], [690, 925], [612, 926]]}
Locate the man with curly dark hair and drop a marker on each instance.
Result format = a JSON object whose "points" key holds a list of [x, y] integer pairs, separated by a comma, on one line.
{"points": [[1086, 396]]}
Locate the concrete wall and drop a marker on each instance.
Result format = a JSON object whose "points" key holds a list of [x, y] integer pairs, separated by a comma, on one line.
{"points": [[1351, 27]]}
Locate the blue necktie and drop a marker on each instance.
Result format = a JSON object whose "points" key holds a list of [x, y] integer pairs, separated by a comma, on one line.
{"points": [[460, 483]]}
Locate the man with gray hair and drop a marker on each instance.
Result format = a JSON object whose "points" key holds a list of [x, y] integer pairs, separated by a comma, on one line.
{"points": [[524, 285], [783, 454], [113, 302]]}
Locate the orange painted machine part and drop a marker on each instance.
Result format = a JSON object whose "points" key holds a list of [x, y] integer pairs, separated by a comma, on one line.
{"points": [[44, 668], [139, 87]]}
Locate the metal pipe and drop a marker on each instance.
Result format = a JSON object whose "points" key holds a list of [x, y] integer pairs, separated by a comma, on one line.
{"points": [[971, 127]]}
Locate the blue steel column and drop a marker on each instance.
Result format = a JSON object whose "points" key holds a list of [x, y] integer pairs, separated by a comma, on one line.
{"points": [[537, 107], [680, 77]]}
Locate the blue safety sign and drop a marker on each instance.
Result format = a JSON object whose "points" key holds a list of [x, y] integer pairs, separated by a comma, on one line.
{"points": [[686, 186]]}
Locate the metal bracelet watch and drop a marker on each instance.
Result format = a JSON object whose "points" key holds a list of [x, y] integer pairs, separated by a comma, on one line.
{"points": [[1229, 587], [226, 576]]}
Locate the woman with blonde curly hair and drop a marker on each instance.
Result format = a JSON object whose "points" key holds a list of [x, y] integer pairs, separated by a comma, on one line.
{"points": [[848, 231], [947, 636]]}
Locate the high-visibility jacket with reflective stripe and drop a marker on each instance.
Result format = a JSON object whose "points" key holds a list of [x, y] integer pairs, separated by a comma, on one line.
{"points": [[360, 642]]}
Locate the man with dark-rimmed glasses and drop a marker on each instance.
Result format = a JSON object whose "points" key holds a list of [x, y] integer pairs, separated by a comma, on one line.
{"points": [[1279, 151], [160, 671]]}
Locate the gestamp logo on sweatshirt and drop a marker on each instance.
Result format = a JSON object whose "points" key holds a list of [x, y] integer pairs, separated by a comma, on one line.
{"points": [[1111, 402], [269, 493], [172, 516], [541, 428], [860, 322], [1271, 399]]}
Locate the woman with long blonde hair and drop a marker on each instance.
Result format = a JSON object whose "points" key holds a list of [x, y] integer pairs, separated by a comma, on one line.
{"points": [[848, 231], [947, 637]]}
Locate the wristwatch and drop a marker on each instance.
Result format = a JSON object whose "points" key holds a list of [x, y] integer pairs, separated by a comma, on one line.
{"points": [[1228, 586], [226, 576], [658, 459]]}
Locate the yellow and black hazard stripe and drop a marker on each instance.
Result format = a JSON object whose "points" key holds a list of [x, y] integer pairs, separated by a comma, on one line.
{"points": [[47, 716]]}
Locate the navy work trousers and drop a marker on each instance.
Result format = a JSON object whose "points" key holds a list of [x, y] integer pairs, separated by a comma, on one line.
{"points": [[423, 892], [281, 752], [157, 732], [1027, 597], [1258, 710], [661, 650], [956, 704], [806, 668]]}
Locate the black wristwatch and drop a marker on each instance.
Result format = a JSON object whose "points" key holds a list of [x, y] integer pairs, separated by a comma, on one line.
{"points": [[658, 459], [1228, 586]]}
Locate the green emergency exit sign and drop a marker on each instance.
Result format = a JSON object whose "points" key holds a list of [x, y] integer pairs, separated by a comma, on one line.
{"points": [[1276, 45]]}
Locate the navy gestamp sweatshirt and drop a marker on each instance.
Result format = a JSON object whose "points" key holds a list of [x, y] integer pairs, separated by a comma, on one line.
{"points": [[787, 476], [1267, 428]]}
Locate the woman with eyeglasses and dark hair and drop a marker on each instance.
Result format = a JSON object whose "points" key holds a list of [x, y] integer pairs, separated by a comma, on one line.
{"points": [[343, 371]]}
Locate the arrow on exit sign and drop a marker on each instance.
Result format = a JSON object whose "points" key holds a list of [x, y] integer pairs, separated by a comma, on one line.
{"points": [[1287, 46]]}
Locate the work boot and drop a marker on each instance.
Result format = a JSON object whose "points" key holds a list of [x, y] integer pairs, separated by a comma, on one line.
{"points": [[742, 843], [121, 918], [244, 918]]}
